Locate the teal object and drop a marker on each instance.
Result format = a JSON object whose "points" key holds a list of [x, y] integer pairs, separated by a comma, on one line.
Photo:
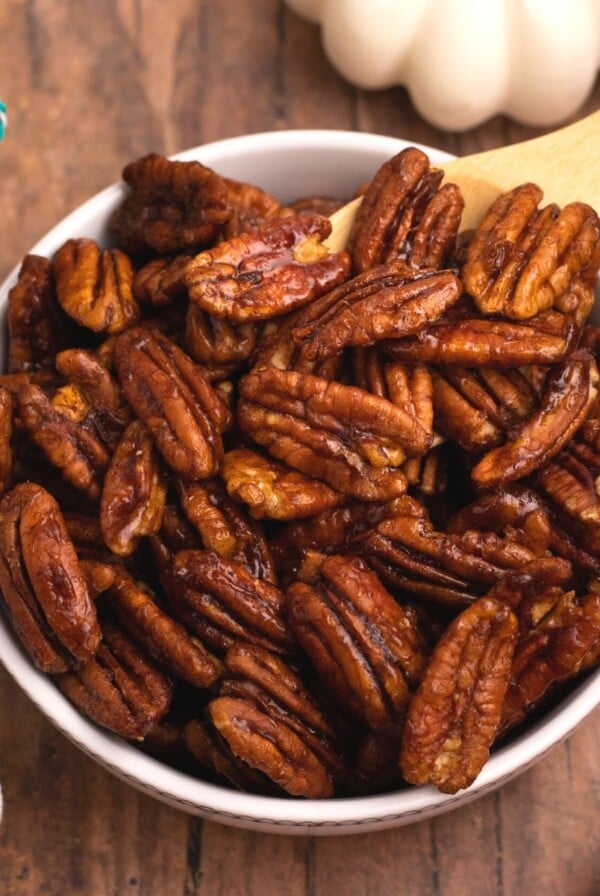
{"points": [[3, 119]]}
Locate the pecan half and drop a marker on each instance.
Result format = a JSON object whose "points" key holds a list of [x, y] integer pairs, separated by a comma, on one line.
{"points": [[568, 393], [119, 688], [43, 587], [213, 754], [267, 272], [521, 259], [221, 346], [572, 479], [173, 397], [222, 603], [251, 208], [35, 331], [386, 302], [134, 492], [223, 527], [405, 215], [271, 721], [455, 713], [94, 286], [160, 282], [172, 206], [276, 348], [364, 647], [163, 639], [342, 435], [272, 490]]}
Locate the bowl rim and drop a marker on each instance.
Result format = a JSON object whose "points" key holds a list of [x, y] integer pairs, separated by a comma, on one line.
{"points": [[212, 800]]}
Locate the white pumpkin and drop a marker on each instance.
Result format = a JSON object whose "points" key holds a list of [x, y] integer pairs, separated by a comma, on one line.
{"points": [[465, 60]]}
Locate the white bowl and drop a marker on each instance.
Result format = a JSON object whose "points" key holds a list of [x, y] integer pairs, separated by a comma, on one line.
{"points": [[288, 164]]}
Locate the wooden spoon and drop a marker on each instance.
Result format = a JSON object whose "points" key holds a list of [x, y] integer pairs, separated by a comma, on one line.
{"points": [[565, 163]]}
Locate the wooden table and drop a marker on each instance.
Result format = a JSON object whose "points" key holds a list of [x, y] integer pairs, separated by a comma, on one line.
{"points": [[89, 86]]}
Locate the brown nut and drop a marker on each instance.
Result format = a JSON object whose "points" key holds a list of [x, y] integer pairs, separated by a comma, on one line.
{"points": [[387, 302], [272, 490], [160, 282], [408, 387], [43, 587], [569, 391], [405, 215], [276, 348], [224, 527], [211, 751], [119, 688], [271, 721], [172, 206], [221, 346], [251, 208], [521, 260], [173, 397], [572, 479], [168, 643], [94, 286], [339, 434], [222, 603], [134, 492], [364, 647], [267, 272], [35, 328]]}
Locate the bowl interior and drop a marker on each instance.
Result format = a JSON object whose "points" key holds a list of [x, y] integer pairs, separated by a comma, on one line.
{"points": [[289, 164]]}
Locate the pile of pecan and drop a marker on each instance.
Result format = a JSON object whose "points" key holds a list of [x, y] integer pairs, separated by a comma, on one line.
{"points": [[310, 522]]}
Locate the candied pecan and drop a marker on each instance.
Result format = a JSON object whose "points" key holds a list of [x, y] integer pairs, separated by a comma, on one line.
{"points": [[572, 479], [221, 346], [134, 492], [375, 767], [455, 713], [555, 650], [99, 577], [364, 647], [6, 432], [267, 272], [428, 474], [276, 348], [340, 434], [213, 754], [475, 407], [34, 325], [272, 490], [163, 639], [271, 721], [485, 343], [251, 208], [405, 215], [521, 259], [174, 399], [409, 553], [58, 428], [119, 688], [172, 205], [568, 393], [223, 603], [408, 387], [160, 282], [223, 527], [94, 286], [42, 584], [386, 302], [533, 589]]}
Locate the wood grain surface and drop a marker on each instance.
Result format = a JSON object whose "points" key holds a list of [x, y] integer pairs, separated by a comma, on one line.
{"points": [[91, 84]]}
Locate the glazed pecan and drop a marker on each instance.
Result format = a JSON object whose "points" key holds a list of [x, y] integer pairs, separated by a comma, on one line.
{"points": [[276, 348], [271, 721], [99, 577], [386, 302], [251, 208], [572, 479], [168, 643], [267, 272], [405, 215], [160, 282], [455, 713], [222, 603], [475, 407], [172, 206], [94, 286], [428, 475], [521, 259], [213, 754], [342, 435], [134, 492], [364, 647], [272, 490], [561, 645], [224, 527], [173, 397], [43, 587], [568, 394], [58, 428], [119, 688], [6, 432], [35, 330], [375, 766], [221, 346]]}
